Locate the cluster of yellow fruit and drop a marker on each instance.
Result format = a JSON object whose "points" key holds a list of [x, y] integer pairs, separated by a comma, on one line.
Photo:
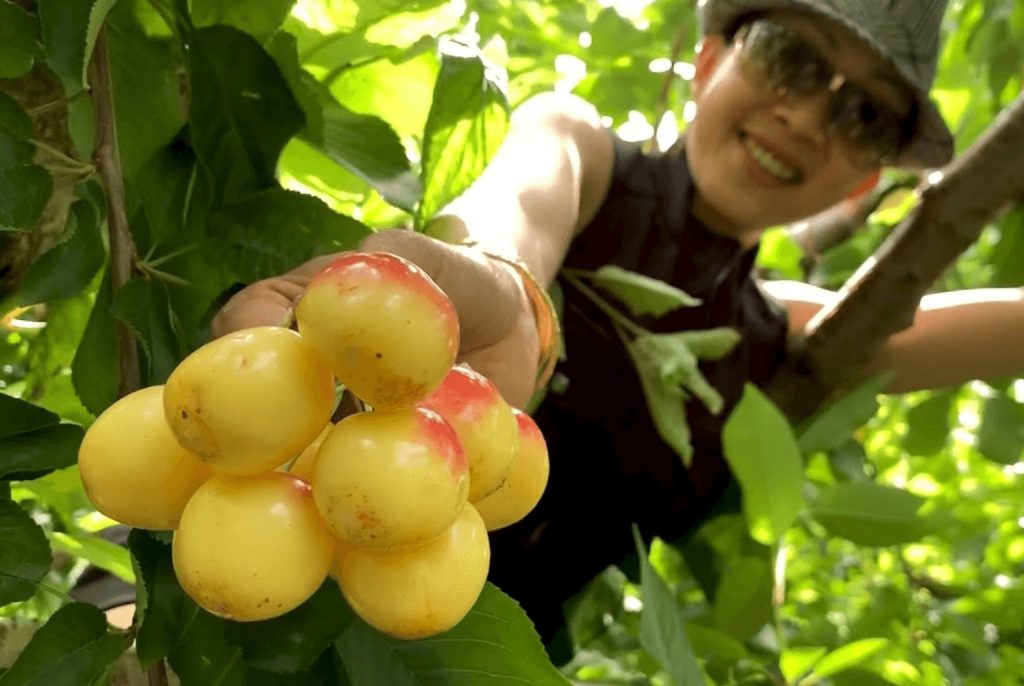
{"points": [[267, 497]]}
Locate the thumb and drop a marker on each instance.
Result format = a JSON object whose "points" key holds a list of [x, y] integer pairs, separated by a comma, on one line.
{"points": [[486, 295]]}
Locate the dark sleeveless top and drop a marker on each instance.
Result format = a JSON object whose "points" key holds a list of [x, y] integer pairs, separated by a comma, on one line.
{"points": [[609, 468]]}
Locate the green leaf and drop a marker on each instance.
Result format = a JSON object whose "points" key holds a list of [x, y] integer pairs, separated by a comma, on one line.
{"points": [[763, 454], [365, 145], [780, 253], [94, 369], [860, 677], [667, 365], [849, 461], [20, 416], [32, 454], [292, 642], [163, 186], [258, 18], [795, 662], [143, 305], [662, 628], [599, 599], [14, 117], [743, 599], [369, 148], [709, 344], [99, 551], [713, 643], [1001, 436], [495, 644], [70, 28], [14, 150], [468, 119], [164, 611], [147, 104], [72, 649], [68, 268], [48, 382], [848, 656], [833, 425], [642, 294], [928, 425], [61, 493], [241, 114], [24, 555], [660, 380], [870, 514], [19, 33], [24, 190], [206, 655], [274, 231]]}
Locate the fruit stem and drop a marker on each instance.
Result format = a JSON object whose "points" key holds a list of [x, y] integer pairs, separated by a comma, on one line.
{"points": [[164, 276], [171, 255]]}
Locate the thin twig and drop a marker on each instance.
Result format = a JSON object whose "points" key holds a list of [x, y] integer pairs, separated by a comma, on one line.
{"points": [[71, 162], [56, 104], [108, 162]]}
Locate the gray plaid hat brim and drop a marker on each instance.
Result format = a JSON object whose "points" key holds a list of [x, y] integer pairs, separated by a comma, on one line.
{"points": [[904, 33]]}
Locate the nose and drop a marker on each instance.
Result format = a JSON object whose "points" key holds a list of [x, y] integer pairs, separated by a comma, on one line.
{"points": [[806, 116]]}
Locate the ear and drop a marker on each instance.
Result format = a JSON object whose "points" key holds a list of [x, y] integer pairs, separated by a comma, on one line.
{"points": [[710, 51], [866, 185]]}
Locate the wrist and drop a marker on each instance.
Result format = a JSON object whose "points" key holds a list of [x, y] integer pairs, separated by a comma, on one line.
{"points": [[545, 318]]}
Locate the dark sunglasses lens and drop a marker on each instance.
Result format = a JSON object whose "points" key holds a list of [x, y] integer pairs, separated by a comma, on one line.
{"points": [[866, 124], [784, 59]]}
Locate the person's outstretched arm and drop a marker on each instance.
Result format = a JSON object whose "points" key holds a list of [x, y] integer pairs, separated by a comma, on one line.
{"points": [[956, 337], [545, 183]]}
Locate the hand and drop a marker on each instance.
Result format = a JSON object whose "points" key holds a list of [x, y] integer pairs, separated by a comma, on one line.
{"points": [[498, 334]]}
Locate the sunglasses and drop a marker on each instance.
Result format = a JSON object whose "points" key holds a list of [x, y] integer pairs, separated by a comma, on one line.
{"points": [[781, 59]]}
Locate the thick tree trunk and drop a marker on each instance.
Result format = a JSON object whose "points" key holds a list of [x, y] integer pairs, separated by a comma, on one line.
{"points": [[882, 297]]}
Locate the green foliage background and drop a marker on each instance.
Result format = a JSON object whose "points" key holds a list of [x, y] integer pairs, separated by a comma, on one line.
{"points": [[884, 545]]}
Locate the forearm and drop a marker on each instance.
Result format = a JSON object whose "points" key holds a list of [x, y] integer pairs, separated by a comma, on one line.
{"points": [[957, 337], [540, 188]]}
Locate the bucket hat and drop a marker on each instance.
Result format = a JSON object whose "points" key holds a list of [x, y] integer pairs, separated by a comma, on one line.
{"points": [[903, 32]]}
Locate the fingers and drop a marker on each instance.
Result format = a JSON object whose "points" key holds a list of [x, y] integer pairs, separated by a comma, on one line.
{"points": [[511, 364], [264, 303], [485, 292]]}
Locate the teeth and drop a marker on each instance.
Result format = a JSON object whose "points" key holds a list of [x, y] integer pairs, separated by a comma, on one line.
{"points": [[770, 163]]}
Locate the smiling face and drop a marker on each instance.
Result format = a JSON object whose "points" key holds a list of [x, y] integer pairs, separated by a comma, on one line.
{"points": [[760, 159]]}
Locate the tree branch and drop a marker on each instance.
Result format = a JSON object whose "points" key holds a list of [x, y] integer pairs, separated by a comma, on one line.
{"points": [[108, 163], [882, 297]]}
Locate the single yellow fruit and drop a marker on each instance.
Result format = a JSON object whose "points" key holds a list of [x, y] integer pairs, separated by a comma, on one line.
{"points": [[421, 591], [390, 479], [382, 325], [133, 468], [526, 480], [484, 423], [305, 463], [252, 548], [249, 401]]}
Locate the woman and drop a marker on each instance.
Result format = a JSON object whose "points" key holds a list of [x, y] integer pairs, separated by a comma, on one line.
{"points": [[798, 103]]}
